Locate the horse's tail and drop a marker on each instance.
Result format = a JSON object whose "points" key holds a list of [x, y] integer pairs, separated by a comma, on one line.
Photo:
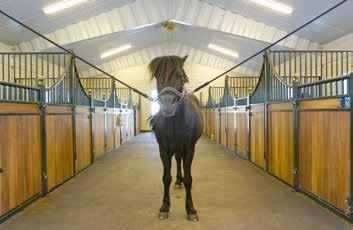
{"points": [[152, 122]]}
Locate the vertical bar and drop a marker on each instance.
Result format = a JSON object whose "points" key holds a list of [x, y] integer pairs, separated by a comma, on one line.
{"points": [[43, 106], [350, 198], [295, 102]]}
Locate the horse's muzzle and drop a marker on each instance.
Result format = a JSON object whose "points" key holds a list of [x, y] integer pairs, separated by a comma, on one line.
{"points": [[168, 104]]}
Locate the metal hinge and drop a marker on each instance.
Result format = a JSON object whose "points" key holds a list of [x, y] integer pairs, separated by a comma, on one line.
{"points": [[45, 176], [350, 206]]}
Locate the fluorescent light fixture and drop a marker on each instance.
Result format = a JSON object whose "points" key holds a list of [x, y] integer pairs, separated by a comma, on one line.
{"points": [[115, 51], [223, 50], [181, 22], [62, 5], [274, 5]]}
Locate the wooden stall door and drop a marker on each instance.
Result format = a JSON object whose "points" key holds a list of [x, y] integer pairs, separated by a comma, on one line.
{"points": [[223, 127], [241, 134], [99, 132], [131, 124], [203, 111], [208, 120], [217, 125], [117, 127], [124, 132], [20, 158], [281, 145], [59, 144], [231, 130], [324, 155], [83, 138], [137, 122], [257, 139], [110, 126]]}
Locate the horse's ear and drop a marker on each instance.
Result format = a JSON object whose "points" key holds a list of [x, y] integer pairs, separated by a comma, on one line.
{"points": [[184, 58]]}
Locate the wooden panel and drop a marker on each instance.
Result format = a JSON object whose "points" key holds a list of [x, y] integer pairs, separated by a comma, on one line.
{"points": [[124, 128], [99, 134], [231, 131], [58, 109], [320, 104], [208, 125], [212, 125], [137, 122], [83, 109], [20, 158], [257, 138], [131, 127], [110, 132], [117, 131], [257, 108], [223, 125], [281, 145], [59, 149], [241, 140], [99, 110], [18, 108], [203, 111], [280, 106], [83, 142], [324, 155], [217, 126]]}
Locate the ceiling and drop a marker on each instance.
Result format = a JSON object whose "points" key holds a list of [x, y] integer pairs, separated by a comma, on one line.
{"points": [[234, 24]]}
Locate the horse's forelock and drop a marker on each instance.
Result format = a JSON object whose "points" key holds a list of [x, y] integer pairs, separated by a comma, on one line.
{"points": [[165, 66]]}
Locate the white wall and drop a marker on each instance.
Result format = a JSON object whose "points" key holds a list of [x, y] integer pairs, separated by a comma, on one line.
{"points": [[342, 43], [5, 48]]}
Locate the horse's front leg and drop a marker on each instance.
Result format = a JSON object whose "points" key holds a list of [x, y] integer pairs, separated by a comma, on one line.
{"points": [[179, 175], [167, 179], [189, 205]]}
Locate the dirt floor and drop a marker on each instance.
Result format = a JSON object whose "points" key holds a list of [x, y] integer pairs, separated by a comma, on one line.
{"points": [[124, 191]]}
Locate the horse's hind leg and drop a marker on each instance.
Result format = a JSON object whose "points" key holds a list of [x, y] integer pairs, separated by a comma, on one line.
{"points": [[187, 161], [167, 179], [179, 176]]}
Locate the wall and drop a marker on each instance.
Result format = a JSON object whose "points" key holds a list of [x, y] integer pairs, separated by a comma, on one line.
{"points": [[345, 42]]}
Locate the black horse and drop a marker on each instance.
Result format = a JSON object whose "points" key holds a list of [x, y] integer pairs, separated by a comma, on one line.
{"points": [[177, 126]]}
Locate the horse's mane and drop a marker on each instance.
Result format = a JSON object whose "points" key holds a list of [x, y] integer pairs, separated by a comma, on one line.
{"points": [[167, 67]]}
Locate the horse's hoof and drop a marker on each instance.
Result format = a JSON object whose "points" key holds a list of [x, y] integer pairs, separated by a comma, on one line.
{"points": [[163, 215], [193, 217], [178, 186]]}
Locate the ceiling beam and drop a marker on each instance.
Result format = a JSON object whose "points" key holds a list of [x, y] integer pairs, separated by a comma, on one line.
{"points": [[196, 56], [143, 12]]}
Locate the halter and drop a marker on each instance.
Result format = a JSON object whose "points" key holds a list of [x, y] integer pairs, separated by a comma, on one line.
{"points": [[182, 95]]}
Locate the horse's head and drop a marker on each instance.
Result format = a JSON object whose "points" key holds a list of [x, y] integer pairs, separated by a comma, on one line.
{"points": [[169, 73]]}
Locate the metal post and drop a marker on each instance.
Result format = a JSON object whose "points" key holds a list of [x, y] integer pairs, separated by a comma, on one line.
{"points": [[235, 125], [43, 106], [295, 102], [350, 199], [266, 100], [248, 128], [92, 111], [72, 86]]}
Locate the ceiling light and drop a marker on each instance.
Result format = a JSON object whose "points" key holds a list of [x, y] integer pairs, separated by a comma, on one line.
{"points": [[274, 5], [115, 51], [62, 5], [223, 50]]}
